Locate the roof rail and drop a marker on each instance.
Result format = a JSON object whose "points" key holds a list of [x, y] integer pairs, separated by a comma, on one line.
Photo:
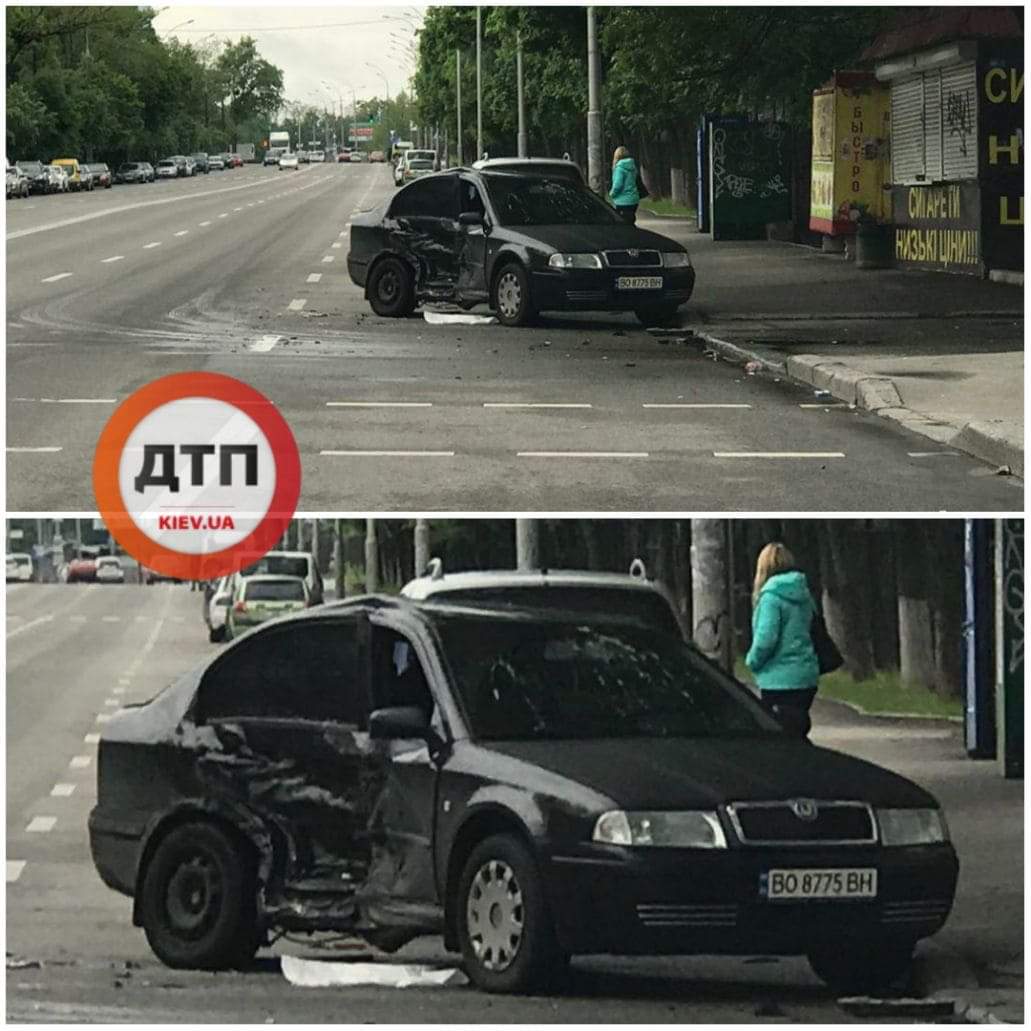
{"points": [[638, 570], [434, 569]]}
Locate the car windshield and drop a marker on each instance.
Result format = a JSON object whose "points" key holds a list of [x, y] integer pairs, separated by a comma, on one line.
{"points": [[526, 200], [32, 167], [166, 164], [113, 562], [21, 560], [279, 565], [274, 590], [539, 680], [128, 167]]}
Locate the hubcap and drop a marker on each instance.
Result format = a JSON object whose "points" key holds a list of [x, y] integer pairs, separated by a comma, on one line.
{"points": [[494, 915], [510, 294], [193, 896], [389, 286]]}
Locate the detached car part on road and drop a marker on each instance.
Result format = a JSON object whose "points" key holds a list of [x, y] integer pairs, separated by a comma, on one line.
{"points": [[532, 785], [522, 243]]}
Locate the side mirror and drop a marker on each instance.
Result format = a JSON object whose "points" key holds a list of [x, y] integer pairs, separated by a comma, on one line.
{"points": [[403, 721], [471, 218]]}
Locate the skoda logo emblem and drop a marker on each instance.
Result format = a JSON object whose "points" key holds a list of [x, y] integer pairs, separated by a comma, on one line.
{"points": [[804, 808], [633, 252]]}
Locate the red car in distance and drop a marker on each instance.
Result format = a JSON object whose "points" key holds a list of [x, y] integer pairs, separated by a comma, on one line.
{"points": [[82, 570]]}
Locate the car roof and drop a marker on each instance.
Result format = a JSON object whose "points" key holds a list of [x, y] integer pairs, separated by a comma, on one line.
{"points": [[424, 587], [486, 164], [264, 578]]}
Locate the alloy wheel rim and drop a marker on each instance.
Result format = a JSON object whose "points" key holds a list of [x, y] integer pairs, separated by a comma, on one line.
{"points": [[388, 286], [510, 294], [495, 915], [193, 895]]}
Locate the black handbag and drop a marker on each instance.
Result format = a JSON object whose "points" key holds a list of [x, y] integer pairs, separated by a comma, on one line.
{"points": [[642, 190], [828, 656]]}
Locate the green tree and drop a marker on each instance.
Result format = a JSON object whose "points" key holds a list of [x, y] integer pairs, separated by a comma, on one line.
{"points": [[252, 86]]}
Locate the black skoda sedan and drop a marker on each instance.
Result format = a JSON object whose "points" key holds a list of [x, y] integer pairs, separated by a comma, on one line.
{"points": [[521, 242], [530, 784]]}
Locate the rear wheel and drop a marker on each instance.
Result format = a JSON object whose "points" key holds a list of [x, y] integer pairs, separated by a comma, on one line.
{"points": [[862, 967], [392, 289], [657, 314], [510, 297], [197, 900]]}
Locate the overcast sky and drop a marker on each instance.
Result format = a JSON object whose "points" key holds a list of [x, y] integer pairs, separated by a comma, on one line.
{"points": [[312, 45]]}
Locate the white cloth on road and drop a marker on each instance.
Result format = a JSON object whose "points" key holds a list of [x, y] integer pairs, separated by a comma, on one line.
{"points": [[317, 973], [445, 318]]}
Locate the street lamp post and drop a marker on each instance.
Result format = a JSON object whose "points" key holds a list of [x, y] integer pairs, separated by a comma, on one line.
{"points": [[594, 165], [521, 136], [479, 91], [458, 83]]}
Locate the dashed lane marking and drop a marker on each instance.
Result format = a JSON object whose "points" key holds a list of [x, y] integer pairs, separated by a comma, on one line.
{"points": [[80, 762], [182, 232], [933, 454], [327, 259], [114, 257], [92, 739], [54, 279], [389, 454], [379, 404], [336, 245], [699, 404], [14, 869], [778, 454], [825, 404], [237, 209], [297, 303], [41, 824], [112, 703], [103, 717], [265, 343], [582, 454], [62, 790], [28, 626], [77, 619], [534, 404], [313, 277], [152, 244], [33, 450], [225, 214], [204, 223]]}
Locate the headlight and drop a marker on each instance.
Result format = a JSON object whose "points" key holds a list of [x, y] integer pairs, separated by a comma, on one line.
{"points": [[694, 829], [676, 259], [574, 261], [912, 826]]}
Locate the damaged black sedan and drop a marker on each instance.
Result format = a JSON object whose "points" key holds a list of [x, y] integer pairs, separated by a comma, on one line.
{"points": [[522, 243], [531, 785]]}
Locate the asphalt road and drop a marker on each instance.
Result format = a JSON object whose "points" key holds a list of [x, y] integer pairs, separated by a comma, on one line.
{"points": [[244, 272], [77, 652]]}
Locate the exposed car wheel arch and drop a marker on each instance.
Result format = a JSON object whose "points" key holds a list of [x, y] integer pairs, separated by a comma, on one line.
{"points": [[480, 825]]}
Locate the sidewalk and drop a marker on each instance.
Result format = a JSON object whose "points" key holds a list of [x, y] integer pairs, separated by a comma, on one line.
{"points": [[941, 354], [978, 958]]}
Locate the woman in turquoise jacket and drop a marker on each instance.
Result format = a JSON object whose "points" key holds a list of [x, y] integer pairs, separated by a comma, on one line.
{"points": [[624, 195], [782, 657]]}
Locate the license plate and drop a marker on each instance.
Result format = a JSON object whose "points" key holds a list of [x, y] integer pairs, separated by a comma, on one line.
{"points": [[860, 883], [639, 283]]}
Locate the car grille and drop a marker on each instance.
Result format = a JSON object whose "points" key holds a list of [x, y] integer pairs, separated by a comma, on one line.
{"points": [[633, 259], [920, 911], [585, 295], [668, 914], [838, 823]]}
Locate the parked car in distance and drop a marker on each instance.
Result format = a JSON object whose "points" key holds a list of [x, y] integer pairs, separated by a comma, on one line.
{"points": [[35, 172], [263, 597], [57, 178], [82, 570], [554, 246], [272, 155], [216, 162], [200, 161], [343, 155], [109, 570], [415, 163], [317, 157], [132, 172], [302, 157], [167, 169], [218, 598], [182, 163], [609, 791], [234, 161], [288, 160], [78, 179], [101, 175], [18, 567], [358, 157], [377, 156], [290, 563], [17, 183]]}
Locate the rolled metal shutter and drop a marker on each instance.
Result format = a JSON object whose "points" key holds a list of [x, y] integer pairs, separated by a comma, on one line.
{"points": [[932, 127], [907, 130], [959, 121]]}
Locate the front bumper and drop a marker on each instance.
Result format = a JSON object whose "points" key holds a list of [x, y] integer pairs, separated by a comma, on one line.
{"points": [[665, 901], [596, 289]]}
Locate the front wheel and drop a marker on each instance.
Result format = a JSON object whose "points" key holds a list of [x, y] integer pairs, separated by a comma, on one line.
{"points": [[504, 926], [657, 315], [392, 289], [862, 968], [510, 297], [197, 900]]}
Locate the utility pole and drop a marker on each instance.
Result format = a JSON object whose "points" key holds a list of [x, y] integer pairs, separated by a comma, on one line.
{"points": [[594, 163], [528, 544], [422, 546], [371, 558], [339, 557], [521, 137], [479, 91], [710, 604], [458, 86]]}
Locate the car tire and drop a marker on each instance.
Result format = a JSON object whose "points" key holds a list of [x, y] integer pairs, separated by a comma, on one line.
{"points": [[216, 634], [391, 289], [510, 296], [197, 900], [862, 968], [657, 315], [510, 945]]}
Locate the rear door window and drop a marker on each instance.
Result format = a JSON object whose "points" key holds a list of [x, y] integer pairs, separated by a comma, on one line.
{"points": [[432, 197]]}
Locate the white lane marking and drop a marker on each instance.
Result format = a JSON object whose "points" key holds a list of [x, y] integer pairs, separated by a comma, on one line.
{"points": [[204, 223], [80, 762], [92, 739], [29, 625], [103, 717], [265, 343], [153, 243], [533, 404], [116, 257], [54, 279], [343, 232], [261, 202], [327, 259], [111, 619], [78, 400], [390, 454], [125, 681], [379, 404], [297, 303], [182, 232], [62, 790], [33, 450], [225, 214], [933, 454], [778, 454], [237, 209], [313, 277], [41, 824], [826, 404], [336, 245], [697, 405], [120, 689], [14, 869], [582, 454]]}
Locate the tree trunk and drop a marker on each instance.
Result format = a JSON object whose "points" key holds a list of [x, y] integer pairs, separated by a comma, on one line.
{"points": [[947, 609], [677, 185], [884, 612], [422, 546], [845, 595], [528, 544], [709, 602], [916, 642], [371, 558]]}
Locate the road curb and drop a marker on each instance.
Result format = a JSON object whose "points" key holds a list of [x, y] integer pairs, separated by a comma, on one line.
{"points": [[859, 710], [992, 442]]}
